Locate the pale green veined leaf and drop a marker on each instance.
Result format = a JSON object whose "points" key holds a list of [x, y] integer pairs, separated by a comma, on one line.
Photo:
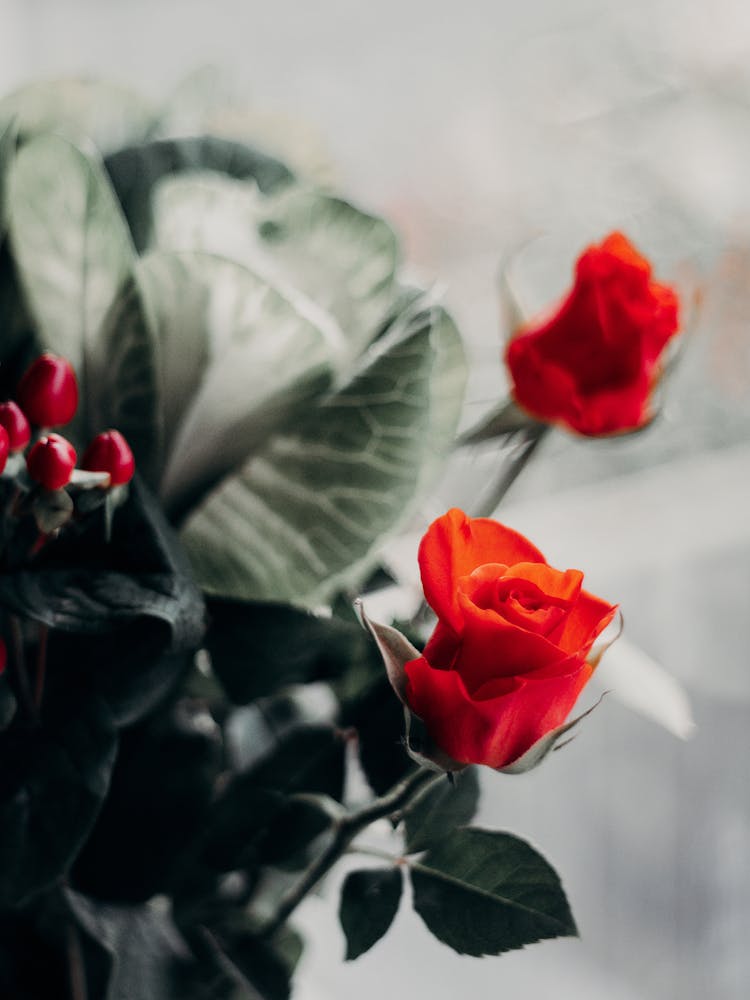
{"points": [[342, 259], [70, 244], [305, 516], [205, 358], [102, 112]]}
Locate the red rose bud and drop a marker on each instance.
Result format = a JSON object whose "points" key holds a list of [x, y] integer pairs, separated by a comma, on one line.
{"points": [[510, 653], [13, 419], [48, 391], [592, 366], [51, 461], [4, 447], [110, 452]]}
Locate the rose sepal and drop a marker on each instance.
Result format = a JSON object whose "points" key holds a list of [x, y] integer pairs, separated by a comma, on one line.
{"points": [[397, 651], [536, 753]]}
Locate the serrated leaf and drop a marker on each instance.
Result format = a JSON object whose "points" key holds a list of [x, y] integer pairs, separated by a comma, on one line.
{"points": [[369, 902], [204, 359], [441, 808], [135, 170], [483, 893], [70, 244], [304, 517], [100, 111], [341, 258]]}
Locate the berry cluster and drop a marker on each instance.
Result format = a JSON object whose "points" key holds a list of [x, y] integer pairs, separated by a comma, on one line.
{"points": [[48, 397]]}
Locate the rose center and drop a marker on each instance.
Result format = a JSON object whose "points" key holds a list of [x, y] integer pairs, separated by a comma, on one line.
{"points": [[518, 600]]}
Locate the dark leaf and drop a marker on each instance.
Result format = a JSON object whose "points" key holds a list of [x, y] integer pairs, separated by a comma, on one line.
{"points": [[52, 785], [369, 902], [144, 948], [297, 824], [309, 760], [259, 647], [378, 717], [7, 703], [94, 595], [159, 800], [441, 808], [134, 172], [483, 893]]}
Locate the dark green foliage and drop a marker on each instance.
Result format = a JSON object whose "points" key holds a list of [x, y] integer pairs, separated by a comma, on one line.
{"points": [[441, 808], [482, 893], [369, 902]]}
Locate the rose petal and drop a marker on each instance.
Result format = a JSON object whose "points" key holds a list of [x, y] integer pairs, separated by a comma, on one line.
{"points": [[588, 619], [494, 647], [494, 731], [453, 546]]}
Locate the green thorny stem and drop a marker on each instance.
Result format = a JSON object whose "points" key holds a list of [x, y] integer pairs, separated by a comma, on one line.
{"points": [[346, 828]]}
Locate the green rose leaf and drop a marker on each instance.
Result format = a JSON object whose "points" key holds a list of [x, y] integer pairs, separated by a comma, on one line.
{"points": [[303, 518], [369, 902], [441, 808], [54, 782], [70, 244], [101, 112], [135, 170], [483, 893]]}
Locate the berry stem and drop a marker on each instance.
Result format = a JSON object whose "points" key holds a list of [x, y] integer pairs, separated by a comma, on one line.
{"points": [[41, 667]]}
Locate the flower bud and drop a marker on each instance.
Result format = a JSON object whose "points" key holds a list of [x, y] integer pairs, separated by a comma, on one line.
{"points": [[13, 419], [48, 391], [110, 452], [4, 447], [51, 461]]}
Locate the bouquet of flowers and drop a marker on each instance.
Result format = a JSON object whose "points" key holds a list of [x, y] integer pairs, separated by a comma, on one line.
{"points": [[221, 401]]}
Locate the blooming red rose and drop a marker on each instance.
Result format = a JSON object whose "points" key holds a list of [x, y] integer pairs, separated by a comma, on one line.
{"points": [[593, 364], [508, 657]]}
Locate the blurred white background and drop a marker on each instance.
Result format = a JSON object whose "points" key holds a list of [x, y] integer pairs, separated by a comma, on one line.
{"points": [[474, 128]]}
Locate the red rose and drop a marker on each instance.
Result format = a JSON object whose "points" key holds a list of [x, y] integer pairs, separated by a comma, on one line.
{"points": [[510, 652], [592, 366]]}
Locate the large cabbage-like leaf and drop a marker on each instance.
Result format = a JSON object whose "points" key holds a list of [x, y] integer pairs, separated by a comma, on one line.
{"points": [[99, 111], [204, 359], [70, 243], [305, 515], [343, 259]]}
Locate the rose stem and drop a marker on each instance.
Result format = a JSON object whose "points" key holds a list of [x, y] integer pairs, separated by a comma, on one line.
{"points": [[19, 663], [345, 830], [41, 666], [530, 438]]}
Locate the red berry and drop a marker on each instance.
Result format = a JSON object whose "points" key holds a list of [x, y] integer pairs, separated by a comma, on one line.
{"points": [[4, 447], [13, 419], [51, 461], [48, 391], [110, 452]]}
